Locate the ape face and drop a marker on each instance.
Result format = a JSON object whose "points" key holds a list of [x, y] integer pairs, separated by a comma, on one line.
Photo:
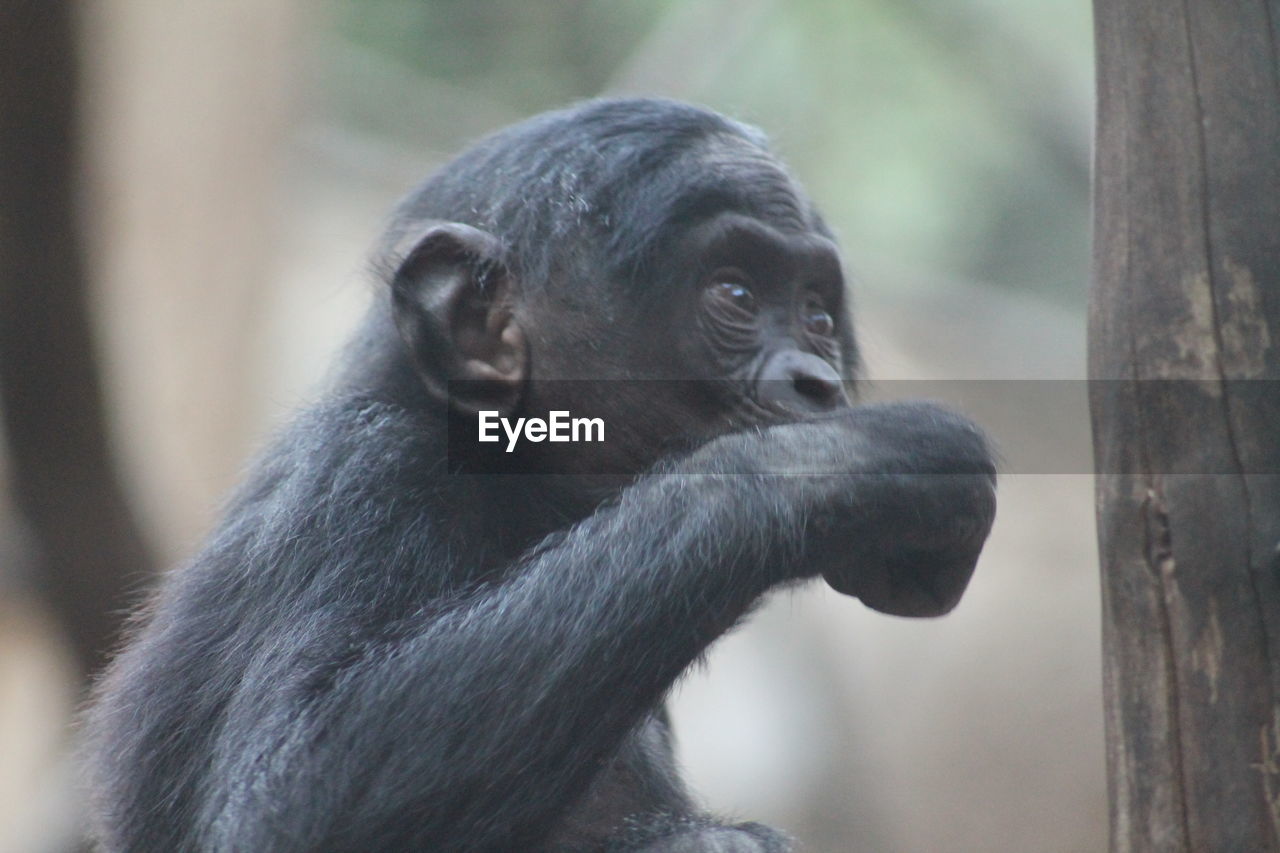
{"points": [[760, 309], [734, 316]]}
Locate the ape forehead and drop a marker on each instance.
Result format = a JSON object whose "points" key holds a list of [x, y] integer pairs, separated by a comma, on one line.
{"points": [[749, 180], [604, 187], [727, 174]]}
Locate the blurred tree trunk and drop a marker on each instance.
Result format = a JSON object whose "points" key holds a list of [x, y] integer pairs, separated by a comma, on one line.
{"points": [[63, 479], [1184, 358], [190, 112]]}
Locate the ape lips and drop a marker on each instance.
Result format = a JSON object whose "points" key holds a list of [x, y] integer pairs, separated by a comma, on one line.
{"points": [[393, 642]]}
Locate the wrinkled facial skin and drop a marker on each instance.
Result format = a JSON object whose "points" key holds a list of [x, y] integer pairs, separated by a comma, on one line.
{"points": [[767, 310]]}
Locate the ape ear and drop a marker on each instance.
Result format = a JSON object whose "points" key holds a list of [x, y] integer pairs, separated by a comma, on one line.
{"points": [[454, 305]]}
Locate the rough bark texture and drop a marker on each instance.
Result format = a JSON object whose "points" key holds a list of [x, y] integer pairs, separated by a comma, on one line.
{"points": [[1185, 354], [60, 464]]}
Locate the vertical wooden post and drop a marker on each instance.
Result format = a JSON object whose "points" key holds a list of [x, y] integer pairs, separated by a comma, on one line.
{"points": [[1185, 362]]}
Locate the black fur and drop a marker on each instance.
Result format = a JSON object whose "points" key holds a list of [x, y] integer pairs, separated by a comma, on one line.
{"points": [[380, 650]]}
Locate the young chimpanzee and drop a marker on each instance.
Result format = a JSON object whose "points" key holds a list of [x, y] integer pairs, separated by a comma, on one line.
{"points": [[402, 638]]}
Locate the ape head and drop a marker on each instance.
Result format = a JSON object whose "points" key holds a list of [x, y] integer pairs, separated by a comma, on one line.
{"points": [[641, 259]]}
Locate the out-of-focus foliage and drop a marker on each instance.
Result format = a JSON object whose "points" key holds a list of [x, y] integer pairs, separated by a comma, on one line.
{"points": [[527, 55], [944, 138]]}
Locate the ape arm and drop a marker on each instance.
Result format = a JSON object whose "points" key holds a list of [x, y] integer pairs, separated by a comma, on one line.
{"points": [[487, 718], [321, 695]]}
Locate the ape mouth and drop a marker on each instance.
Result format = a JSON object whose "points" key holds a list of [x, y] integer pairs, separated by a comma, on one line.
{"points": [[750, 414]]}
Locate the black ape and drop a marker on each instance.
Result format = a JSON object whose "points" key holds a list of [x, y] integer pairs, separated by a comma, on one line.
{"points": [[392, 643]]}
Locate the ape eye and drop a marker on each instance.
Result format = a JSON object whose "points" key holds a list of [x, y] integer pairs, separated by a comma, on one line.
{"points": [[817, 320], [731, 292]]}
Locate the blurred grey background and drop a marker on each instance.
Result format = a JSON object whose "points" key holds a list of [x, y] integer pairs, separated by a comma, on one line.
{"points": [[237, 159]]}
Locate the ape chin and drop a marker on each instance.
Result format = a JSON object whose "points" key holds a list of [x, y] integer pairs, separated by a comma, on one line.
{"points": [[400, 637]]}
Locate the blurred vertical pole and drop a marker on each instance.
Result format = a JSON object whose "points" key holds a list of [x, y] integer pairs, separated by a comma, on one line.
{"points": [[191, 110], [63, 479], [1184, 357]]}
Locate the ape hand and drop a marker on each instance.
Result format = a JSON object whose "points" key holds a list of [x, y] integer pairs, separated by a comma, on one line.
{"points": [[896, 499]]}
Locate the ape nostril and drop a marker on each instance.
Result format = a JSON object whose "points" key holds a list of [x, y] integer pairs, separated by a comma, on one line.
{"points": [[798, 381], [816, 388]]}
